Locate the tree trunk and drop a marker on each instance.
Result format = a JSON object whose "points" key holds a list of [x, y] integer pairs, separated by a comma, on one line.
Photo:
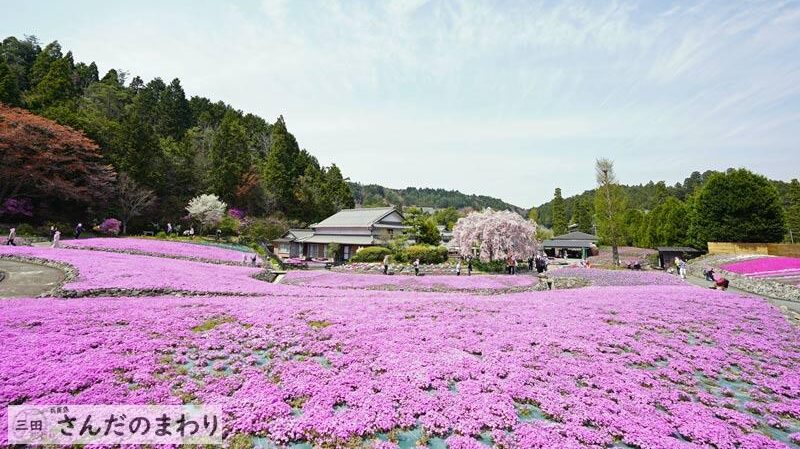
{"points": [[615, 254], [124, 228]]}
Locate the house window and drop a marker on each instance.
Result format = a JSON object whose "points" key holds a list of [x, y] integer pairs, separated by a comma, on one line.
{"points": [[284, 248], [316, 250], [346, 252]]}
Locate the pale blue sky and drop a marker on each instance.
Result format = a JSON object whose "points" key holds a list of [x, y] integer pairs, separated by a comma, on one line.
{"points": [[509, 99]]}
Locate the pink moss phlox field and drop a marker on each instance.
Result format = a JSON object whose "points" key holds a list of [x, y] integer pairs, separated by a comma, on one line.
{"points": [[331, 279], [658, 366], [784, 269], [159, 248], [601, 277], [103, 270]]}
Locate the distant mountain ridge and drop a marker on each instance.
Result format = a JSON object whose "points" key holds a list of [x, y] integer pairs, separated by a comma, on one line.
{"points": [[370, 195]]}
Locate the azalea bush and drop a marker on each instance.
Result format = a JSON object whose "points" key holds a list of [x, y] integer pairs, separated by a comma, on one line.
{"points": [[110, 226]]}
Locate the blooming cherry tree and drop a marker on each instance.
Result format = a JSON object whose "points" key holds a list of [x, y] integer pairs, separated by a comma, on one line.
{"points": [[495, 235], [208, 209]]}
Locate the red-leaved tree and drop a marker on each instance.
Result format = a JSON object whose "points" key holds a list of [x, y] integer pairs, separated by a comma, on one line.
{"points": [[40, 158]]}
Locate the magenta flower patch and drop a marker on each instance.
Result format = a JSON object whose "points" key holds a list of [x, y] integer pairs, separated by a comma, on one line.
{"points": [[779, 269]]}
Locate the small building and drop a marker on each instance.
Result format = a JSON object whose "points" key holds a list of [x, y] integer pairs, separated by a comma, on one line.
{"points": [[351, 229], [444, 233], [667, 254], [577, 245]]}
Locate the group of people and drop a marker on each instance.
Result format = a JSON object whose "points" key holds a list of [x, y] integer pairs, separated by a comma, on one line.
{"points": [[55, 235], [177, 230]]}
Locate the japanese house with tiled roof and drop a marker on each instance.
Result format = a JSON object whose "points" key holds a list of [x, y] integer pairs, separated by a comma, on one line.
{"points": [[351, 229]]}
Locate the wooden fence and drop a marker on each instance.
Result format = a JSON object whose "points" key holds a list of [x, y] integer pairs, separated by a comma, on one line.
{"points": [[772, 249]]}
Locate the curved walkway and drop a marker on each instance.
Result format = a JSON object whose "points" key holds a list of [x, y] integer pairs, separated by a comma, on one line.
{"points": [[28, 279]]}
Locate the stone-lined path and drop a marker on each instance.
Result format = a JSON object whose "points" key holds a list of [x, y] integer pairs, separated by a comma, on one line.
{"points": [[28, 279]]}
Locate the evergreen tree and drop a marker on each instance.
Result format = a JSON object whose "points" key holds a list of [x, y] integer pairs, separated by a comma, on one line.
{"points": [[282, 167], [9, 86], [44, 59], [172, 110], [582, 215], [793, 212], [559, 214], [229, 157], [738, 206], [56, 86]]}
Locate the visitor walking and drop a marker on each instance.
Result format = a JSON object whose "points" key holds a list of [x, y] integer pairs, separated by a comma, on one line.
{"points": [[254, 260], [56, 239], [169, 228], [78, 230], [12, 234], [514, 266], [530, 263], [219, 234], [677, 265], [469, 266], [508, 264], [682, 269], [386, 264], [458, 267], [416, 267], [52, 232]]}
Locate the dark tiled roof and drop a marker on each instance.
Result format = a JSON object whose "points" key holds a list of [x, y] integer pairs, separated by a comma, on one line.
{"points": [[567, 244], [576, 235]]}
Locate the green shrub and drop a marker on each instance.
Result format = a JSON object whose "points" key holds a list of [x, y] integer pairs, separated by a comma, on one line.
{"points": [[427, 254], [262, 230], [494, 266], [371, 254], [26, 230], [229, 226], [161, 235]]}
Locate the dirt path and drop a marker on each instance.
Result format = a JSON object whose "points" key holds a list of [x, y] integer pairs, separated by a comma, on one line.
{"points": [[27, 279]]}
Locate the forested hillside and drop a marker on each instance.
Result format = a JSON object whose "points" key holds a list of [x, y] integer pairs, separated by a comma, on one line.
{"points": [[375, 195], [150, 133], [657, 214]]}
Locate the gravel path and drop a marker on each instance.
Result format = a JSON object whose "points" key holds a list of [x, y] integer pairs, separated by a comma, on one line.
{"points": [[27, 279]]}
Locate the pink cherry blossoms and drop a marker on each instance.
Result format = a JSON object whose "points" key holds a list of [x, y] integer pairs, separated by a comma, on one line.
{"points": [[495, 235]]}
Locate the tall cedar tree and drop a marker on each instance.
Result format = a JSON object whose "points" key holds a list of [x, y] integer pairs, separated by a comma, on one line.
{"points": [[41, 158], [609, 206], [559, 214]]}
